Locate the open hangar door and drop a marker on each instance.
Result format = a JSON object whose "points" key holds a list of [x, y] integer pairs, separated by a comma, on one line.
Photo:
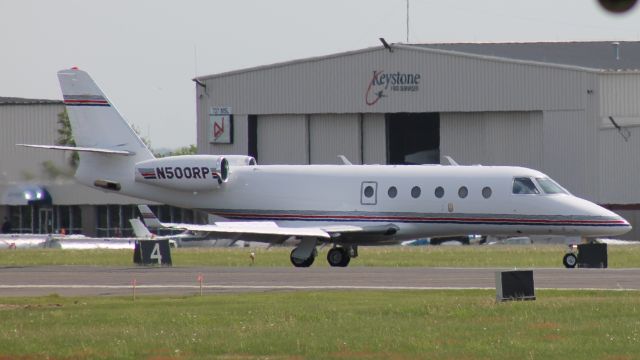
{"points": [[413, 138]]}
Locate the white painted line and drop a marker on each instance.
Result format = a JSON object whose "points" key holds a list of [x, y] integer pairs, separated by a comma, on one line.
{"points": [[241, 287], [282, 287]]}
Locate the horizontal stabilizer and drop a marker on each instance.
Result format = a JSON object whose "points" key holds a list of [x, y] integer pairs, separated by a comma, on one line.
{"points": [[139, 229], [149, 217], [77, 148]]}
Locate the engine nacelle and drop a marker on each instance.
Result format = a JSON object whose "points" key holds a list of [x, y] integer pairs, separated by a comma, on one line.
{"points": [[186, 172], [240, 160]]}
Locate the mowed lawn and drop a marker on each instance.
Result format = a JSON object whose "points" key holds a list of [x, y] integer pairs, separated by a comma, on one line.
{"points": [[521, 256], [456, 324]]}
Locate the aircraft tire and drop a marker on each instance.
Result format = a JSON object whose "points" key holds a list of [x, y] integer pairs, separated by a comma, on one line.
{"points": [[303, 263], [338, 256], [570, 260]]}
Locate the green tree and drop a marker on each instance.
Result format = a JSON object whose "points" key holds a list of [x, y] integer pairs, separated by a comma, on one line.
{"points": [[65, 137], [185, 150], [145, 140]]}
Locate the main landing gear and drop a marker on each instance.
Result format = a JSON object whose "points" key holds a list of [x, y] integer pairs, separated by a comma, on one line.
{"points": [[338, 256], [303, 262]]}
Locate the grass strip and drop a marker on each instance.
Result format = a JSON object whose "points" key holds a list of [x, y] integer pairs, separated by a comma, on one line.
{"points": [[520, 256], [464, 324]]}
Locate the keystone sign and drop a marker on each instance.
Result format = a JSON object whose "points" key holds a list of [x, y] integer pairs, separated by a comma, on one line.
{"points": [[385, 84]]}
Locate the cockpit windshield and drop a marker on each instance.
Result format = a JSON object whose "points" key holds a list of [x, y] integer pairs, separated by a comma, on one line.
{"points": [[550, 187], [524, 185]]}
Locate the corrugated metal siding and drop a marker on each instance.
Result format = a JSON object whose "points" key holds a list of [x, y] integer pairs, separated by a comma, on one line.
{"points": [[283, 139], [374, 139], [28, 124], [492, 138], [332, 135], [620, 95], [571, 151], [619, 160], [448, 83], [619, 167]]}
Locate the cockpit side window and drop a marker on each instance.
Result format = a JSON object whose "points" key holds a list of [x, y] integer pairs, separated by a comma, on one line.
{"points": [[550, 187], [524, 185]]}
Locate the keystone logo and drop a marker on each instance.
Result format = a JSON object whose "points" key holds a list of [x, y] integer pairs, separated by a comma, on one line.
{"points": [[382, 84]]}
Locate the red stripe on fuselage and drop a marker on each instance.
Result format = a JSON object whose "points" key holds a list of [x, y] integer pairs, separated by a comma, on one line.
{"points": [[421, 219]]}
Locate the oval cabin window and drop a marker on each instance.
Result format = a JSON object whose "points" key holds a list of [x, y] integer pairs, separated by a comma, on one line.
{"points": [[368, 191]]}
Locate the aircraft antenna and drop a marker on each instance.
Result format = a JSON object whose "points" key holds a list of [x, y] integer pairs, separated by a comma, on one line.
{"points": [[195, 60], [407, 21]]}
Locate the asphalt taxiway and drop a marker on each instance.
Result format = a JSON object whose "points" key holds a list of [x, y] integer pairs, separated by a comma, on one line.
{"points": [[105, 281]]}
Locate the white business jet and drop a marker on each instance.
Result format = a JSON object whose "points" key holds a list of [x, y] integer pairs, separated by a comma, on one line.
{"points": [[343, 205]]}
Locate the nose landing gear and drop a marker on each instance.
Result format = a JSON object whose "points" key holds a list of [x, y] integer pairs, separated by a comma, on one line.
{"points": [[570, 260]]}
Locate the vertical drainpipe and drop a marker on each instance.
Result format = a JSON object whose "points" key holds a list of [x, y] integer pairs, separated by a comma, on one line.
{"points": [[616, 47], [361, 123], [307, 119]]}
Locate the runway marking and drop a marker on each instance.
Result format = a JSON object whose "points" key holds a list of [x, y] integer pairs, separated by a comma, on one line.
{"points": [[284, 287], [240, 287]]}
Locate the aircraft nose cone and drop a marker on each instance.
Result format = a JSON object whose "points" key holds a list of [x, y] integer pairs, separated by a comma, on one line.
{"points": [[622, 226], [627, 227], [610, 223]]}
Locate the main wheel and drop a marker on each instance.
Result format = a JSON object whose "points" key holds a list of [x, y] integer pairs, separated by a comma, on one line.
{"points": [[338, 256], [570, 260], [303, 263]]}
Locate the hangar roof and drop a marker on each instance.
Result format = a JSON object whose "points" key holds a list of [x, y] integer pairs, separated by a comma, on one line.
{"points": [[592, 54], [586, 55], [23, 101]]}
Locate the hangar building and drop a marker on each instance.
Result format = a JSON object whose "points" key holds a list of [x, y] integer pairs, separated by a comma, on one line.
{"points": [[571, 110], [37, 191]]}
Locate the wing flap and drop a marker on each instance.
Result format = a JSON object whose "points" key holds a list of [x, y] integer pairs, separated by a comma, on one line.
{"points": [[252, 228], [384, 229]]}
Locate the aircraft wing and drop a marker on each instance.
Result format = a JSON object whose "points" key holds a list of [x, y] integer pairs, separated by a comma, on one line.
{"points": [[268, 231], [361, 234], [250, 228]]}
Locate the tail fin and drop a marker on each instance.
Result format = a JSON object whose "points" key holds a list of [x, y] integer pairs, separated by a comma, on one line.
{"points": [[149, 217], [97, 124], [139, 229], [95, 121]]}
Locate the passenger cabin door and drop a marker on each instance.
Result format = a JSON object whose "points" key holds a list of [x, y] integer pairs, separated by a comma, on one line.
{"points": [[369, 193]]}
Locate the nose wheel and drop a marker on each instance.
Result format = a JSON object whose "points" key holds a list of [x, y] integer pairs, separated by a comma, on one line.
{"points": [[338, 256], [570, 260]]}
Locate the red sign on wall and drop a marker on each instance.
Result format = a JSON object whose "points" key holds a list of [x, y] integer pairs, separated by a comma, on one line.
{"points": [[220, 125]]}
